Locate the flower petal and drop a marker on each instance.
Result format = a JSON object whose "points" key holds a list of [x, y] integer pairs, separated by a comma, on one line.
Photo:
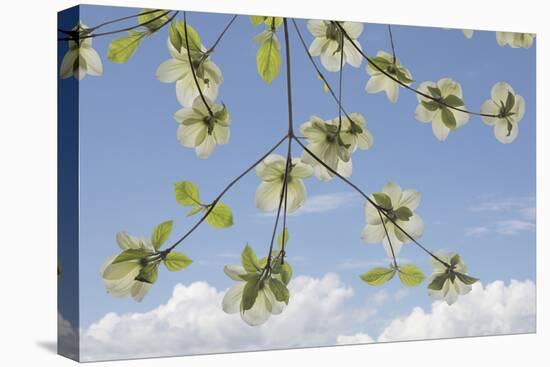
{"points": [[93, 61], [231, 302], [171, 71], [67, 65], [205, 149], [296, 194], [394, 192], [318, 28], [268, 195], [260, 312], [373, 233], [501, 132], [234, 272]]}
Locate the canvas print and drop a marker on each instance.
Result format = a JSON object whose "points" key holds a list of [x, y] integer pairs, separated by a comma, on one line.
{"points": [[234, 183]]}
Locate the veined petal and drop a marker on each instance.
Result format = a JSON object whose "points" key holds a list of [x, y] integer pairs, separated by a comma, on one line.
{"points": [[93, 61], [232, 299], [518, 109], [260, 312], [300, 170], [67, 65], [205, 149], [352, 56], [221, 134], [317, 46], [171, 71], [189, 134], [268, 195], [489, 107], [439, 129], [272, 168], [501, 131], [414, 227], [422, 114], [410, 199], [120, 270], [394, 192], [500, 90], [296, 194], [234, 272], [449, 87], [373, 233], [371, 214], [139, 290], [318, 28], [329, 57], [353, 29]]}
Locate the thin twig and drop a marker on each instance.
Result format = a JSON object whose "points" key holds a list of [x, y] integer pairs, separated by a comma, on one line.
{"points": [[389, 239], [340, 85], [213, 47], [392, 45]]}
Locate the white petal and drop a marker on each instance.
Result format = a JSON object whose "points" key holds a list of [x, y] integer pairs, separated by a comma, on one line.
{"points": [[93, 61], [439, 129], [449, 87], [373, 233], [410, 199], [318, 28], [120, 270], [171, 71], [422, 114], [260, 312], [351, 54], [414, 227], [268, 195], [234, 272], [394, 192], [188, 134], [393, 92], [317, 46], [500, 90], [205, 149], [353, 29], [518, 109], [67, 65], [276, 307], [272, 168], [329, 58], [231, 302], [296, 194], [221, 134], [501, 132], [395, 248], [139, 290], [300, 170], [371, 214], [489, 107]]}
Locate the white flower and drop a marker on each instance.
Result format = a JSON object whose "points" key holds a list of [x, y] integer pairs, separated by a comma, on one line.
{"points": [[81, 59], [271, 171], [178, 70], [509, 107], [400, 206], [201, 131], [468, 33], [327, 43], [515, 40], [354, 132], [119, 279], [452, 285], [443, 119], [264, 306], [379, 82]]}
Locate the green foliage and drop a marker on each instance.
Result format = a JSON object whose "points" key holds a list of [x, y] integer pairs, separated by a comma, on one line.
{"points": [[430, 105], [402, 77], [448, 118], [249, 260], [123, 48], [250, 293], [280, 291], [280, 238], [219, 217], [453, 101], [176, 33], [155, 24], [270, 22], [437, 283], [161, 233], [403, 213], [378, 276], [435, 92], [175, 261], [130, 255], [149, 273], [383, 200], [194, 211], [286, 273], [268, 57], [410, 275], [466, 279], [187, 193]]}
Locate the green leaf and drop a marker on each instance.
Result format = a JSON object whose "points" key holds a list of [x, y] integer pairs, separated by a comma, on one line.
{"points": [[148, 274], [122, 48], [448, 118], [273, 22], [453, 101], [510, 101], [430, 105], [195, 210], [161, 233], [466, 279], [378, 276], [435, 92], [175, 261], [286, 273], [249, 276], [403, 213], [280, 238], [220, 216], [455, 260], [195, 44], [256, 19], [131, 254], [437, 283], [383, 200], [268, 58], [280, 291], [175, 37], [402, 77], [250, 260], [154, 25], [381, 62], [187, 193], [250, 293], [410, 275]]}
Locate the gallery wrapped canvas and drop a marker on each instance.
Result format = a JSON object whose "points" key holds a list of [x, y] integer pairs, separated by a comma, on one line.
{"points": [[235, 183]]}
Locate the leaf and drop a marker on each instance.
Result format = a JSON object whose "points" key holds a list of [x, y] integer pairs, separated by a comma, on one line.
{"points": [[402, 77], [131, 254], [154, 25], [325, 86], [437, 283], [466, 279], [280, 238], [175, 37], [510, 101], [148, 274], [410, 275], [383, 200], [403, 213], [280, 291], [195, 44], [161, 233], [195, 210], [220, 216], [455, 260], [249, 260], [273, 22], [122, 48], [448, 118], [286, 273], [256, 19], [378, 276], [175, 261], [187, 193], [250, 293], [435, 92], [268, 58], [430, 105], [453, 101]]}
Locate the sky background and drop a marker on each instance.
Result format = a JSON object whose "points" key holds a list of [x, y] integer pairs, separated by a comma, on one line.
{"points": [[478, 195]]}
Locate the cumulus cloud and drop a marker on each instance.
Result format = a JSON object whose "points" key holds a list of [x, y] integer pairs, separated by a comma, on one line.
{"points": [[192, 322], [494, 309], [359, 338]]}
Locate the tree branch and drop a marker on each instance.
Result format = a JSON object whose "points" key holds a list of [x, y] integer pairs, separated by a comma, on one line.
{"points": [[389, 239], [215, 44]]}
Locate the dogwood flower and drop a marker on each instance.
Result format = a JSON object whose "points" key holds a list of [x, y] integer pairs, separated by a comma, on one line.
{"points": [[399, 205], [81, 59], [178, 70], [264, 306], [447, 283], [328, 43], [325, 142], [515, 40], [379, 82], [446, 92], [199, 130], [468, 33], [119, 278], [354, 132], [271, 171], [509, 107]]}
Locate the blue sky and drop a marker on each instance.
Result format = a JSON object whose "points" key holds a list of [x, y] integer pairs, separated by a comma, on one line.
{"points": [[477, 194]]}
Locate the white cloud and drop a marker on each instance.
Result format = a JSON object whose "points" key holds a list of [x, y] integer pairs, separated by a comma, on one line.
{"points": [[477, 231], [317, 204], [490, 310], [493, 203], [513, 226], [359, 338], [192, 322], [67, 340]]}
